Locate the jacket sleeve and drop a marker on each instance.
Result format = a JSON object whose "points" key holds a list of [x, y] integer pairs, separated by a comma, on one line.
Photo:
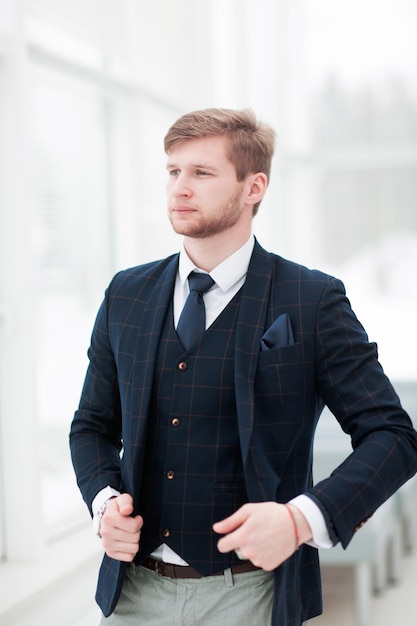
{"points": [[95, 434], [353, 385]]}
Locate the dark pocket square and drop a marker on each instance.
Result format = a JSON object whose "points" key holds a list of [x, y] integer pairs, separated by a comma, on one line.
{"points": [[279, 334]]}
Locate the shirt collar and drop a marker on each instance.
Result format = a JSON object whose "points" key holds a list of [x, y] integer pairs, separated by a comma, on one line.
{"points": [[227, 273]]}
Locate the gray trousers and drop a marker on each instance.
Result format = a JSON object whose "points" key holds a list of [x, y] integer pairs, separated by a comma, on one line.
{"points": [[230, 600]]}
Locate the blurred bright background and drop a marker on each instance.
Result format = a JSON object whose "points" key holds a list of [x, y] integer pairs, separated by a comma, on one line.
{"points": [[88, 89]]}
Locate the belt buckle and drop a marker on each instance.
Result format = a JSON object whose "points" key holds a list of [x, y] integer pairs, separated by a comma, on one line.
{"points": [[159, 568], [164, 570]]}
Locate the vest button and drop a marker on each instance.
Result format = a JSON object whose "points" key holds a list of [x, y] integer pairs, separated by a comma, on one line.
{"points": [[170, 475], [166, 532], [182, 366], [175, 421]]}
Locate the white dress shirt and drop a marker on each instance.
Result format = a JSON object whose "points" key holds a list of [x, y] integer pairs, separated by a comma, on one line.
{"points": [[229, 277]]}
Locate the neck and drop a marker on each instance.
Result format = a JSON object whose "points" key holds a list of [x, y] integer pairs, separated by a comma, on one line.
{"points": [[209, 252]]}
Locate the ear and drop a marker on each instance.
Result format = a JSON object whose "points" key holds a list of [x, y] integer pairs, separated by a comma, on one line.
{"points": [[257, 186]]}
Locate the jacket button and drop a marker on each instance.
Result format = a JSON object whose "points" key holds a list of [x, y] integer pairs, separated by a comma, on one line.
{"points": [[170, 475], [182, 366], [175, 421], [166, 532]]}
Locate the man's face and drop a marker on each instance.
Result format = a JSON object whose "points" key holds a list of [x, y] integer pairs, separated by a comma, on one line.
{"points": [[204, 195]]}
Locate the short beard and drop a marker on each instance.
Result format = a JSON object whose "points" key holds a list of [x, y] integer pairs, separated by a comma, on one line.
{"points": [[215, 225]]}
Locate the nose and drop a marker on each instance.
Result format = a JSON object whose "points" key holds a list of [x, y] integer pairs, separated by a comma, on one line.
{"points": [[181, 187]]}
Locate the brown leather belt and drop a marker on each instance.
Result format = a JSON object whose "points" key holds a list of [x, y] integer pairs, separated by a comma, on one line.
{"points": [[186, 571]]}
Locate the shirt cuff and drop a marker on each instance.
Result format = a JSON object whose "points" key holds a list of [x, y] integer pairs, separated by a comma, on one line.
{"points": [[101, 497], [313, 515]]}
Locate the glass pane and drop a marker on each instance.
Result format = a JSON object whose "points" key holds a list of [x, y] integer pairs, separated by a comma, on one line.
{"points": [[361, 45], [363, 121], [72, 243], [361, 206], [369, 223]]}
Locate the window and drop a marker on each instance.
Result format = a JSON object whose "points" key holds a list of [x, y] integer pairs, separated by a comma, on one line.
{"points": [[351, 157], [73, 247]]}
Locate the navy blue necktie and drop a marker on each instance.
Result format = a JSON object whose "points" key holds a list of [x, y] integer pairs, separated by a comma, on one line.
{"points": [[192, 322]]}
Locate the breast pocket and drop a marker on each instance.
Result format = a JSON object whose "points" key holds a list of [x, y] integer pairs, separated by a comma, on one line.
{"points": [[281, 371]]}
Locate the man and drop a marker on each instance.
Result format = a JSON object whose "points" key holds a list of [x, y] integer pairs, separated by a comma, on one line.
{"points": [[194, 453]]}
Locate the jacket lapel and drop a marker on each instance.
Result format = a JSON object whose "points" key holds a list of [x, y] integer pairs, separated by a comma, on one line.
{"points": [[250, 328], [261, 479]]}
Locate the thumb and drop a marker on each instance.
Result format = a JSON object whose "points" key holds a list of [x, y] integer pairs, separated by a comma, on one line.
{"points": [[125, 504]]}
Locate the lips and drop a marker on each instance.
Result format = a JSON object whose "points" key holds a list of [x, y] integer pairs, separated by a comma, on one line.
{"points": [[182, 209]]}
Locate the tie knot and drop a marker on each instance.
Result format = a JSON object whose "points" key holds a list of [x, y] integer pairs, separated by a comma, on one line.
{"points": [[200, 282]]}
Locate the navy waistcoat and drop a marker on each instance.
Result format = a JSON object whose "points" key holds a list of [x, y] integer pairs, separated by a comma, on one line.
{"points": [[193, 473]]}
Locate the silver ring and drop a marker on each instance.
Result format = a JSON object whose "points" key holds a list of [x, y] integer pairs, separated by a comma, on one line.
{"points": [[240, 555]]}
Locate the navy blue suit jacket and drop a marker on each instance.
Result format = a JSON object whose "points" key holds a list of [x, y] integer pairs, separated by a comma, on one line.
{"points": [[322, 357]]}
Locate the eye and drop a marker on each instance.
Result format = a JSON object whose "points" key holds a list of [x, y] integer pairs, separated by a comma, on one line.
{"points": [[173, 172], [202, 173]]}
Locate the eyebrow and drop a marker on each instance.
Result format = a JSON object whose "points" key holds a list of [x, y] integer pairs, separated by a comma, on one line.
{"points": [[199, 166]]}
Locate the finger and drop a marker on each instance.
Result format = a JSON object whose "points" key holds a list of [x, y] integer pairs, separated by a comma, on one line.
{"points": [[121, 556], [230, 542], [116, 516], [232, 522], [125, 534], [120, 551], [118, 544], [124, 502], [117, 522]]}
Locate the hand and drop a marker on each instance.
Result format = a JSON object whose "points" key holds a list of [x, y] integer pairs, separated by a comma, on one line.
{"points": [[263, 533], [120, 532]]}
